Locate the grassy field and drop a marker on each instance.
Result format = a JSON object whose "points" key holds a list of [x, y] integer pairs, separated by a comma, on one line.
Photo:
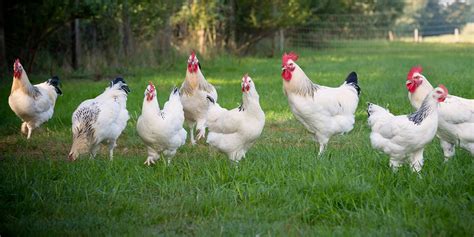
{"points": [[281, 188]]}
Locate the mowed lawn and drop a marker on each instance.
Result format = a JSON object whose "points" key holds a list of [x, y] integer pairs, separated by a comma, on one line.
{"points": [[280, 188]]}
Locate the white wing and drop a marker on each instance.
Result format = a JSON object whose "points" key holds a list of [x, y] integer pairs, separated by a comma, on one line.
{"points": [[46, 100], [172, 112], [457, 121], [456, 110], [397, 135], [221, 120]]}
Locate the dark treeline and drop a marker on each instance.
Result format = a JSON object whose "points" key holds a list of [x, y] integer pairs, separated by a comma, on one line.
{"points": [[90, 35]]}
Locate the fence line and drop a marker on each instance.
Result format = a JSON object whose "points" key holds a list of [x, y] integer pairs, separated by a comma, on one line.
{"points": [[340, 28]]}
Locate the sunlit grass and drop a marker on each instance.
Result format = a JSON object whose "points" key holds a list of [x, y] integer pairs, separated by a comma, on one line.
{"points": [[281, 188]]}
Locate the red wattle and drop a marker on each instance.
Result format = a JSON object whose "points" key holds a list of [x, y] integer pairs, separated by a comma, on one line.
{"points": [[192, 68], [286, 74], [17, 74], [149, 97], [245, 88], [411, 87]]}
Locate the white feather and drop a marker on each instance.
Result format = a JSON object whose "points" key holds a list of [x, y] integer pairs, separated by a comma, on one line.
{"points": [[194, 91], [33, 104], [162, 130], [456, 119], [235, 131], [324, 111], [400, 137], [110, 119]]}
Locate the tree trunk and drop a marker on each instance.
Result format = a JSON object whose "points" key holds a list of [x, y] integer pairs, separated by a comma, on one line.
{"points": [[202, 41], [126, 30], [75, 44], [3, 60], [276, 35], [232, 26], [94, 36]]}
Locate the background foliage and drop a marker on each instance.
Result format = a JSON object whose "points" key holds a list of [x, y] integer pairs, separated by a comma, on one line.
{"points": [[280, 189], [112, 34]]}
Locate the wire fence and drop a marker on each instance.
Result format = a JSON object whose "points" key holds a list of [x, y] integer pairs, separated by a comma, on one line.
{"points": [[338, 30]]}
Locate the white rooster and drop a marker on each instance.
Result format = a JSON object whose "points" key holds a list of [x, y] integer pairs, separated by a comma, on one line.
{"points": [[324, 111], [194, 91], [161, 130], [235, 131], [405, 136], [100, 120], [33, 104], [456, 114]]}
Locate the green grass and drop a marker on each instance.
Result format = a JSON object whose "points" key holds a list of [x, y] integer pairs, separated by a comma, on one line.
{"points": [[281, 188]]}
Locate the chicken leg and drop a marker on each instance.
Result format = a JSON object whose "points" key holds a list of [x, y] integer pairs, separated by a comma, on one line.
{"points": [[191, 131], [112, 145], [201, 128], [169, 154], [30, 129], [416, 160], [152, 156], [395, 163], [94, 150], [322, 144], [24, 128], [448, 149]]}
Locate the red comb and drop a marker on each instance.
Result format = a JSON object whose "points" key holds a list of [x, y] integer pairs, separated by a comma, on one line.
{"points": [[444, 88], [193, 55], [17, 71], [289, 56], [152, 86], [245, 85], [413, 70], [17, 63], [246, 77]]}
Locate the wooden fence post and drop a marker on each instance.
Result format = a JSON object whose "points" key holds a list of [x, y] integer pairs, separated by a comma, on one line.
{"points": [[456, 35], [415, 35], [282, 40], [390, 35]]}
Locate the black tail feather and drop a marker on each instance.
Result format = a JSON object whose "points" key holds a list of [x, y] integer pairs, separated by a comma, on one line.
{"points": [[353, 81], [368, 108], [124, 86], [118, 79], [54, 81], [211, 99], [175, 90]]}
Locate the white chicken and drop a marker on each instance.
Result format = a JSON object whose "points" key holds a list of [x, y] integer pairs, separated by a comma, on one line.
{"points": [[456, 114], [324, 111], [194, 91], [100, 120], [33, 104], [161, 130], [235, 131], [405, 136]]}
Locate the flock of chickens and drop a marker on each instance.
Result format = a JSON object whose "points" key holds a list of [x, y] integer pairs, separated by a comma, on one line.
{"points": [[324, 111]]}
